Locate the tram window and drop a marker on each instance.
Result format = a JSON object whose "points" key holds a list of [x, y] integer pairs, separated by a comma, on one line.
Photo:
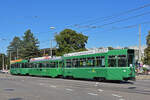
{"points": [[82, 62], [43, 65], [40, 65], [30, 65], [100, 61], [122, 61], [52, 64], [26, 65], [74, 62], [12, 66], [35, 65], [22, 65], [56, 64], [90, 62], [68, 63], [47, 65], [112, 61]]}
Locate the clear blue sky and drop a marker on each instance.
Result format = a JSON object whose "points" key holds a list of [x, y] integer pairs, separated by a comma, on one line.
{"points": [[16, 16]]}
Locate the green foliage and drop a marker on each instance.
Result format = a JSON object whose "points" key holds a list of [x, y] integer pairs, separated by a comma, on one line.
{"points": [[30, 46], [147, 50], [14, 47], [3, 56], [70, 41], [110, 48]]}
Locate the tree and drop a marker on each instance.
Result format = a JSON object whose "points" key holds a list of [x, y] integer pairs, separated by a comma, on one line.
{"points": [[4, 58], [14, 48], [147, 50], [110, 48], [30, 46], [70, 41]]}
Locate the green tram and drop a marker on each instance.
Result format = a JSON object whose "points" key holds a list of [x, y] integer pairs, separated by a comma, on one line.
{"points": [[42, 66], [100, 64]]}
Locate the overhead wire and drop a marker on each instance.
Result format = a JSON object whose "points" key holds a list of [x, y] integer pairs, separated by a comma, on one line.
{"points": [[113, 16], [125, 19]]}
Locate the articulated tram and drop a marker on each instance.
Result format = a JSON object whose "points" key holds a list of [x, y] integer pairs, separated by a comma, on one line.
{"points": [[100, 64]]}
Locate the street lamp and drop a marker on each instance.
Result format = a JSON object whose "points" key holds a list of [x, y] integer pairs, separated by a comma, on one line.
{"points": [[51, 42]]}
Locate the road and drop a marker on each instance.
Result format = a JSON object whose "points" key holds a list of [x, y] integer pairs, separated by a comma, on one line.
{"points": [[42, 88]]}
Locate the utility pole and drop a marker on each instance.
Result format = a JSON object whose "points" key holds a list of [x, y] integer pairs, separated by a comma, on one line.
{"points": [[139, 43]]}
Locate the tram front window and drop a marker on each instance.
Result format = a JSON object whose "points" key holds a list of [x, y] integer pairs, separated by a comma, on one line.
{"points": [[130, 58]]}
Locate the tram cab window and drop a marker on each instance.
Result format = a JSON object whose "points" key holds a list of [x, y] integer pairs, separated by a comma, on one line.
{"points": [[112, 61], [130, 60], [100, 61], [122, 61], [68, 63]]}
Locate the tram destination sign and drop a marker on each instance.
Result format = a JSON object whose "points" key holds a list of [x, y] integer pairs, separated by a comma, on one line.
{"points": [[104, 50]]}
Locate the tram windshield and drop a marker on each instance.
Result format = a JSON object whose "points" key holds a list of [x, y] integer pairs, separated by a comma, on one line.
{"points": [[130, 58]]}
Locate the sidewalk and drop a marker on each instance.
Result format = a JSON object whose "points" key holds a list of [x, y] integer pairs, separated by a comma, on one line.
{"points": [[143, 77]]}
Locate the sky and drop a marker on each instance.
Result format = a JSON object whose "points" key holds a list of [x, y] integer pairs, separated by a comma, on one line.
{"points": [[16, 16]]}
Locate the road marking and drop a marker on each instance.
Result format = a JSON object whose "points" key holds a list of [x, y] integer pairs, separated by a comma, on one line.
{"points": [[53, 86], [100, 90], [92, 94], [116, 95], [69, 89], [95, 85], [121, 99], [41, 84], [147, 89]]}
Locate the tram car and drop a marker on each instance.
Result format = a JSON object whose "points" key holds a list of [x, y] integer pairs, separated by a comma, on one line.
{"points": [[99, 64]]}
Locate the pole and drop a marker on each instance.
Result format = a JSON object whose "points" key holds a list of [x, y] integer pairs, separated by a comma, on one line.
{"points": [[51, 49], [3, 61], [10, 60], [17, 53], [139, 43]]}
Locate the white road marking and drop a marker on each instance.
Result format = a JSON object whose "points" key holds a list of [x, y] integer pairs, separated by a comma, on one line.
{"points": [[147, 89], [100, 90], [41, 84], [69, 89], [53, 86], [95, 85], [92, 94], [115, 95], [121, 99]]}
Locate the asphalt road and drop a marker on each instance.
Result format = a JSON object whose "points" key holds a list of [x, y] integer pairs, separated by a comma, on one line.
{"points": [[41, 88]]}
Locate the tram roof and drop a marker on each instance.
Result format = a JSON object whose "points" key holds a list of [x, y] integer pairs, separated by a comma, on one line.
{"points": [[18, 61], [108, 52]]}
